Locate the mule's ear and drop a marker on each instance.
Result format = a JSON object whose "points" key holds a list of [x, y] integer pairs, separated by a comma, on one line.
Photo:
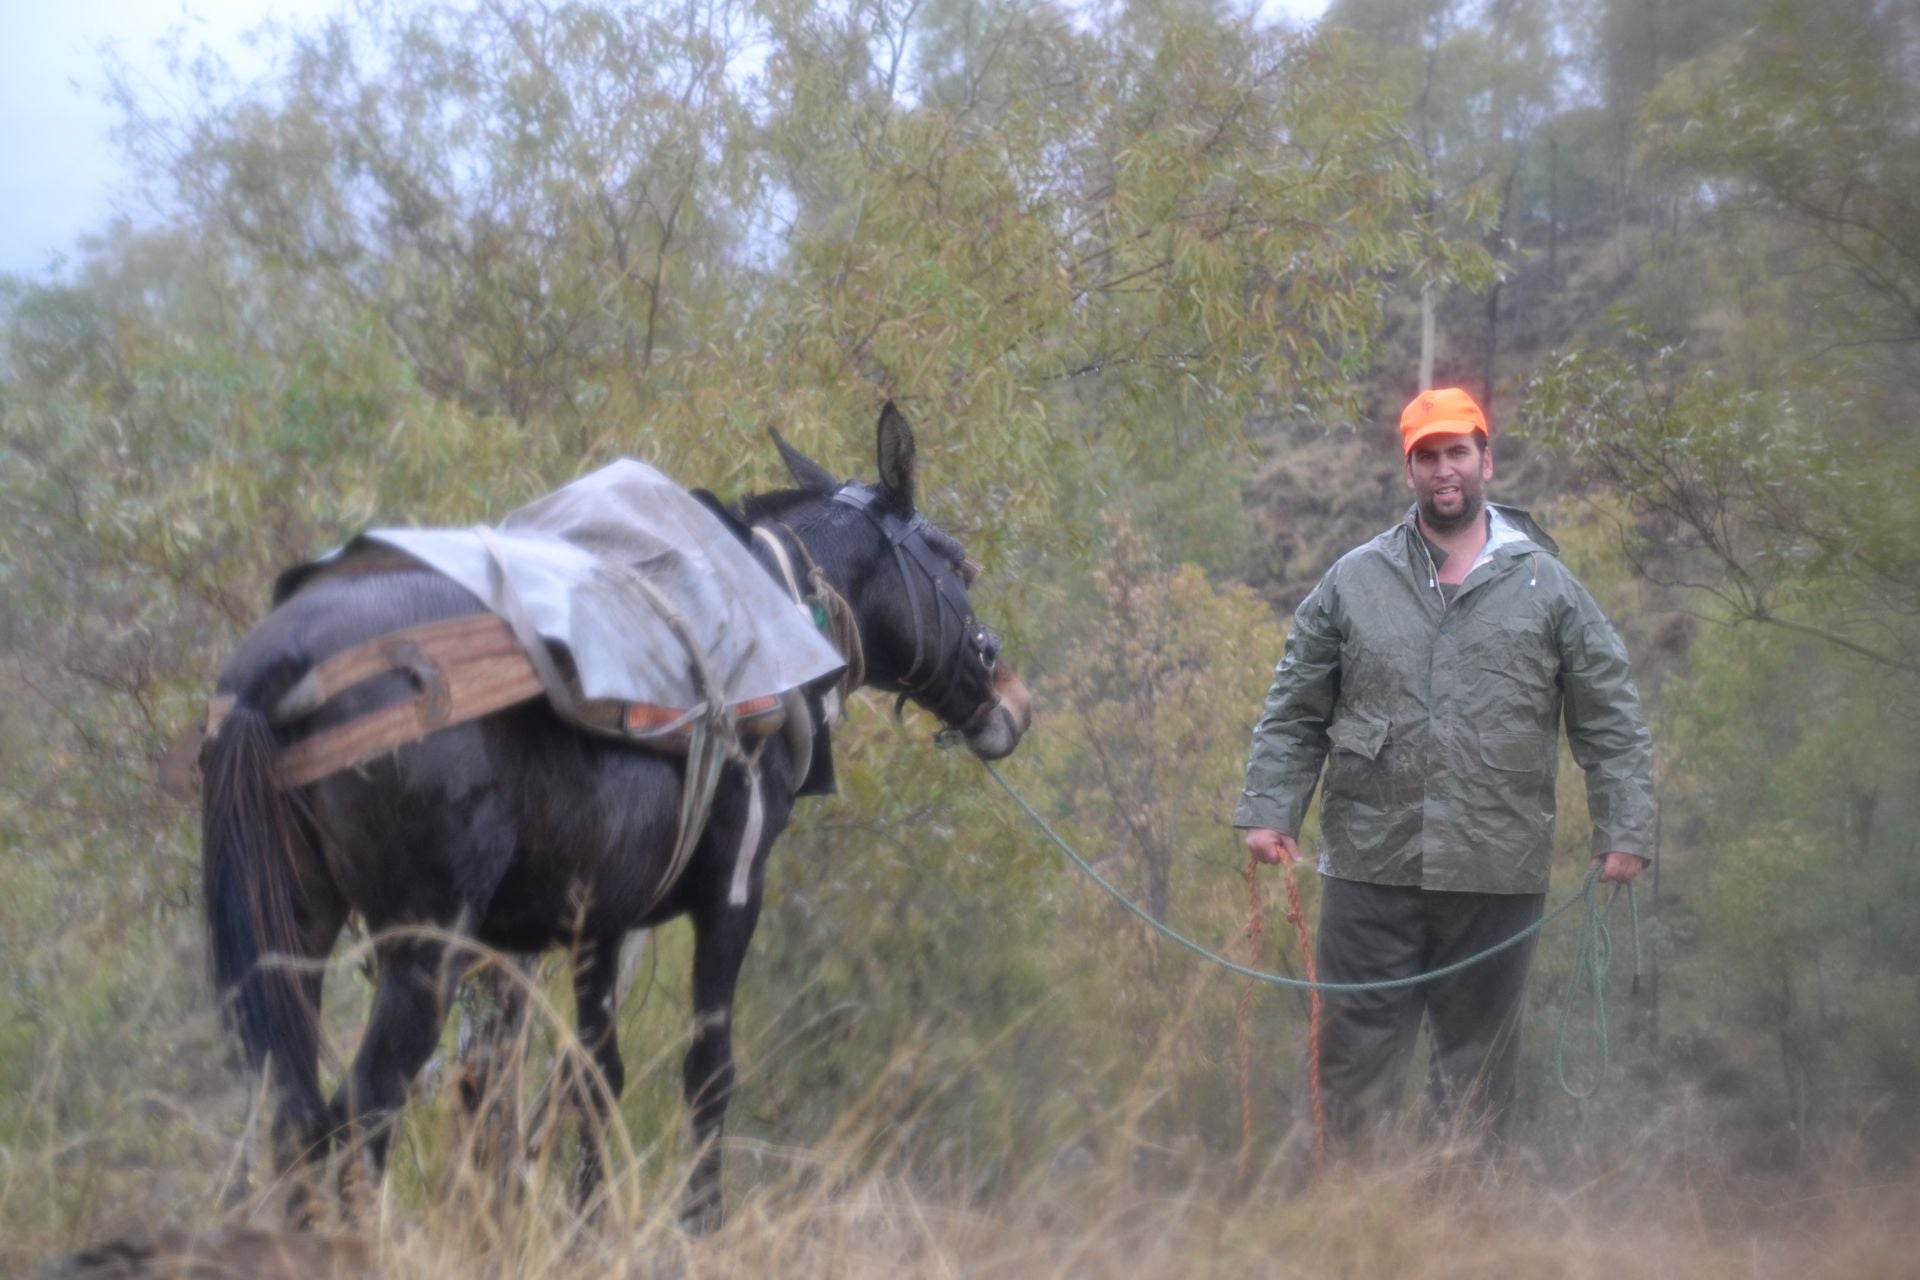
{"points": [[896, 457], [725, 514], [806, 473]]}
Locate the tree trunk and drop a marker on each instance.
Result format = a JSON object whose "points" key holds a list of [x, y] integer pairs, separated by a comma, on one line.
{"points": [[1159, 885], [1427, 326], [1491, 368], [1553, 210]]}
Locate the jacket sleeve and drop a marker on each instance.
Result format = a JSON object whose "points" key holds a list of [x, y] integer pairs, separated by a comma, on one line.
{"points": [[1606, 729], [1290, 738]]}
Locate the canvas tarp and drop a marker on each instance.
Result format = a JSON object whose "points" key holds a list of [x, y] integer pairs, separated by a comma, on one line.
{"points": [[576, 561]]}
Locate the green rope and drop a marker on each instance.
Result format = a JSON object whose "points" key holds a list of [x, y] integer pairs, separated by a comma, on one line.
{"points": [[1593, 955]]}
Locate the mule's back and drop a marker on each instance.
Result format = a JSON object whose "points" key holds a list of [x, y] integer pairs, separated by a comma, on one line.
{"points": [[330, 615], [572, 823]]}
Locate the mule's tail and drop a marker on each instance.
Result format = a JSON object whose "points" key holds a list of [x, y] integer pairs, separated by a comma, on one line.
{"points": [[252, 845]]}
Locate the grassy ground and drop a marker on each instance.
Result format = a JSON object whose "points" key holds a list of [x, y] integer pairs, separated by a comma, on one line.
{"points": [[1404, 1222], [162, 1183]]}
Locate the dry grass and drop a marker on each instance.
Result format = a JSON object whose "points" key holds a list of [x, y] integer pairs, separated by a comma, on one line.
{"points": [[167, 1183], [1638, 1209], [1394, 1223]]}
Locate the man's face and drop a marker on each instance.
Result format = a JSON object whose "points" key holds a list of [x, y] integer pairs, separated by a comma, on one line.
{"points": [[1449, 474]]}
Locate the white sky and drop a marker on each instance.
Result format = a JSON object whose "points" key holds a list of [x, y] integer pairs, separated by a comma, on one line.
{"points": [[60, 174], [59, 169]]}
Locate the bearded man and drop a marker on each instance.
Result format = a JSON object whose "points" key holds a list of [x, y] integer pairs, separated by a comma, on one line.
{"points": [[1430, 671]]}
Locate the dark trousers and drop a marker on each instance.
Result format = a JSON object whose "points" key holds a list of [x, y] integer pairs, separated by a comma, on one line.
{"points": [[1370, 932]]}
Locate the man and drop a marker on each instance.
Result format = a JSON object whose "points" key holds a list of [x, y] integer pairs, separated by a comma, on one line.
{"points": [[1430, 670]]}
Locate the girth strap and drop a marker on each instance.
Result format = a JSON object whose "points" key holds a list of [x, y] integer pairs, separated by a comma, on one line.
{"points": [[712, 739]]}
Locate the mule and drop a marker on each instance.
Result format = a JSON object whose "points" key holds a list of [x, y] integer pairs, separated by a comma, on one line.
{"points": [[522, 832]]}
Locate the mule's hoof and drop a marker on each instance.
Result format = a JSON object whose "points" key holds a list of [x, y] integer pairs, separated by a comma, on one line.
{"points": [[703, 1215]]}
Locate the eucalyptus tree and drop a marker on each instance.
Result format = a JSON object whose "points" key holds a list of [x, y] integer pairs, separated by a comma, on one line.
{"points": [[1760, 455]]}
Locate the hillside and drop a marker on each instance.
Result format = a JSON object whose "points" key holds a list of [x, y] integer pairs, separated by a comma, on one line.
{"points": [[1325, 487]]}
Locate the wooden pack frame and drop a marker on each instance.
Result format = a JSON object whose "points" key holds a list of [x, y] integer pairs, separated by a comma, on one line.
{"points": [[461, 669]]}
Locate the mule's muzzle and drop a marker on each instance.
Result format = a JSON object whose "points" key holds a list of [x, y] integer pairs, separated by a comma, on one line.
{"points": [[1007, 718]]}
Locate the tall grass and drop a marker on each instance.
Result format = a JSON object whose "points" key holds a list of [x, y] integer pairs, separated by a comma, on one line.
{"points": [[169, 1172]]}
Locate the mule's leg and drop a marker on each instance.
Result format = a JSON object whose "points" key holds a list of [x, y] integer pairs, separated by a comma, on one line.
{"points": [[594, 981], [490, 1072], [409, 1009], [301, 1132], [721, 932]]}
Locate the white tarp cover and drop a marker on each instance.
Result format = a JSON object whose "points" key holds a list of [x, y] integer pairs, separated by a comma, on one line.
{"points": [[571, 558]]}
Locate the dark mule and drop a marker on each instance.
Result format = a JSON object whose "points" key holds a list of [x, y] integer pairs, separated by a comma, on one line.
{"points": [[522, 832]]}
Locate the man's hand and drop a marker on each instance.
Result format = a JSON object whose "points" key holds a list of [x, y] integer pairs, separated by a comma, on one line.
{"points": [[1615, 867], [1271, 846]]}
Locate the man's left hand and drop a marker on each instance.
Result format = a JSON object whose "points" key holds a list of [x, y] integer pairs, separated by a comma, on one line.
{"points": [[1619, 867]]}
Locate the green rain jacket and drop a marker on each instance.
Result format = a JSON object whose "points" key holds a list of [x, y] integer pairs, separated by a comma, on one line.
{"points": [[1439, 721]]}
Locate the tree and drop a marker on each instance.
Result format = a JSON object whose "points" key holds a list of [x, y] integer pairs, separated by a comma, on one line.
{"points": [[1774, 454], [1767, 475]]}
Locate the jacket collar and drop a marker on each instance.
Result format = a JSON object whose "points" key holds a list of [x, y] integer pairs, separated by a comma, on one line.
{"points": [[1510, 531], [1523, 528]]}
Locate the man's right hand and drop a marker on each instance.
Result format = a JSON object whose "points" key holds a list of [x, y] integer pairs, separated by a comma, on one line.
{"points": [[1272, 846]]}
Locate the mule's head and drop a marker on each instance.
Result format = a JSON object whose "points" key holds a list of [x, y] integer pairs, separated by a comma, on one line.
{"points": [[907, 582]]}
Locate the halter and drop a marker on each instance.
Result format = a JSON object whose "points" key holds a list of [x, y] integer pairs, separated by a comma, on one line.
{"points": [[908, 538]]}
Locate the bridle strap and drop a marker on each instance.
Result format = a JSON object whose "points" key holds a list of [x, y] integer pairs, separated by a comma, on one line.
{"points": [[903, 542], [900, 535]]}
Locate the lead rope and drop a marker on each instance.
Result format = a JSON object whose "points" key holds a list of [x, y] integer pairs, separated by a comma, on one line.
{"points": [[1243, 1036], [1594, 948]]}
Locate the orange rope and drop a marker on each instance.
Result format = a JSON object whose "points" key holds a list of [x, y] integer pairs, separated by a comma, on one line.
{"points": [[1243, 1037], [1297, 914]]}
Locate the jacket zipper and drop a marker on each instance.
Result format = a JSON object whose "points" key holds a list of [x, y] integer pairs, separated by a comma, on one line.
{"points": [[1433, 572]]}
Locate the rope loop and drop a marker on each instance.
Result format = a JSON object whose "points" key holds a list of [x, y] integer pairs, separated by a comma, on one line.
{"points": [[1593, 956]]}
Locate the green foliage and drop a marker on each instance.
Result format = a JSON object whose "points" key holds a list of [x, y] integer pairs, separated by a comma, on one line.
{"points": [[1749, 495], [1765, 477], [1809, 124], [1799, 779], [1150, 718]]}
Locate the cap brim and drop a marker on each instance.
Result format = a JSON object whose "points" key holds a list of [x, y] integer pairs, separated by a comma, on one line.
{"points": [[1439, 427]]}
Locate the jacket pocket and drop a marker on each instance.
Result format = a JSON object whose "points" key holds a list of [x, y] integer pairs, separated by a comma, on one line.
{"points": [[1357, 767], [1519, 656], [1514, 752], [1363, 735]]}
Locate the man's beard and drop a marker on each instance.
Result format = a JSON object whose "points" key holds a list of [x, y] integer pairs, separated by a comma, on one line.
{"points": [[1472, 506]]}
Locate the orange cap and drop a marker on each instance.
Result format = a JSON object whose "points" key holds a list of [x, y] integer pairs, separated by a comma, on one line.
{"points": [[1442, 411]]}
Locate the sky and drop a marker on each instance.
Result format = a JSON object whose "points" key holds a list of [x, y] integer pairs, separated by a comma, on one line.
{"points": [[61, 176], [59, 168]]}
